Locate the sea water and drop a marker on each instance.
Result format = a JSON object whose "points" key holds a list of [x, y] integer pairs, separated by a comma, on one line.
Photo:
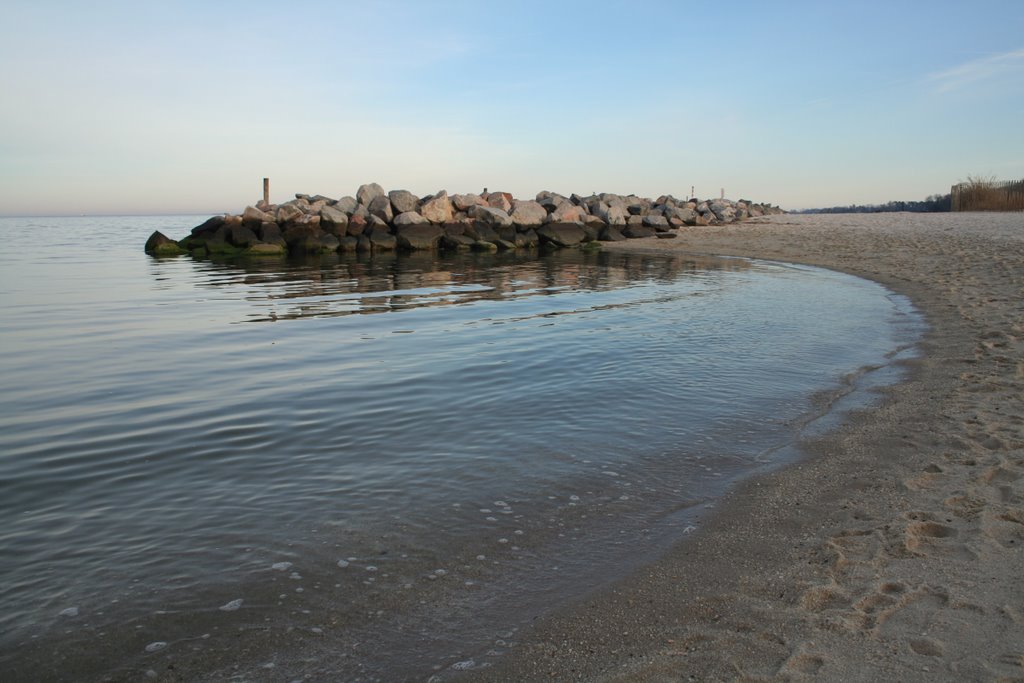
{"points": [[376, 467]]}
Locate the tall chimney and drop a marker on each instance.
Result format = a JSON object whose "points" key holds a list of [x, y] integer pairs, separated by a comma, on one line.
{"points": [[266, 190]]}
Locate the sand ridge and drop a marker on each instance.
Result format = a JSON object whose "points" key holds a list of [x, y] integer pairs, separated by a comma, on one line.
{"points": [[895, 550]]}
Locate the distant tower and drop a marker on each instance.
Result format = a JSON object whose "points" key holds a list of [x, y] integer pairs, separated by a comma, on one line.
{"points": [[266, 190]]}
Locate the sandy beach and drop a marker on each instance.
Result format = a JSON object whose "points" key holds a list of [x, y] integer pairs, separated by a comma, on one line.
{"points": [[894, 551]]}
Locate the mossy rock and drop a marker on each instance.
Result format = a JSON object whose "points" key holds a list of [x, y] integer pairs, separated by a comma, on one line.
{"points": [[481, 245], [167, 249], [199, 252], [264, 249], [592, 246], [223, 249]]}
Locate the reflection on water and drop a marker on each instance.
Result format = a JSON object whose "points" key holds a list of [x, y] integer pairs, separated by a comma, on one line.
{"points": [[274, 497], [346, 284]]}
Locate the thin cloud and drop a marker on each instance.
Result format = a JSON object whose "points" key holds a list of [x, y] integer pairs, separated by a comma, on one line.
{"points": [[977, 70]]}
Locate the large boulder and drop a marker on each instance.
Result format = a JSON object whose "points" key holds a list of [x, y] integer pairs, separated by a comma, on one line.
{"points": [[403, 201], [303, 238], [329, 242], [527, 239], [463, 202], [208, 227], [638, 231], [615, 215], [409, 218], [527, 213], [160, 244], [654, 221], [437, 209], [346, 204], [500, 200], [482, 232], [724, 211], [253, 216], [286, 213], [566, 212], [457, 242], [368, 192], [382, 240], [241, 236], [550, 200], [686, 214], [334, 221], [490, 216], [611, 234], [380, 206], [418, 237], [561, 234]]}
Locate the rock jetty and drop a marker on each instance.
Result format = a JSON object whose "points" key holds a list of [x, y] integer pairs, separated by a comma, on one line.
{"points": [[377, 220]]}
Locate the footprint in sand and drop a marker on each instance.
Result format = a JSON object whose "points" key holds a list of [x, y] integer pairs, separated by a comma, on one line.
{"points": [[1005, 528], [929, 534], [929, 478]]}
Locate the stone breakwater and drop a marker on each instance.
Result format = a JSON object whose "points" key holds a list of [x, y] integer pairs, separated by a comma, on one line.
{"points": [[377, 220]]}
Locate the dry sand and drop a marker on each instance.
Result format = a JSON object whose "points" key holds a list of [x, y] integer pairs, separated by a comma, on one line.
{"points": [[895, 550]]}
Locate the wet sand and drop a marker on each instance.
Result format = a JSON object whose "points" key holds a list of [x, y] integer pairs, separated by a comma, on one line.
{"points": [[895, 549]]}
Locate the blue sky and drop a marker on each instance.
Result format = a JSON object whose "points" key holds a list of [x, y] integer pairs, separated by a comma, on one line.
{"points": [[157, 107]]}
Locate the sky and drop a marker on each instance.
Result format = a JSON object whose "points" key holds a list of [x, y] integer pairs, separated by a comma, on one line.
{"points": [[183, 107]]}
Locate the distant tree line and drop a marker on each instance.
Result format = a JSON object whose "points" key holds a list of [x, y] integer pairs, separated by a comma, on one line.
{"points": [[933, 203]]}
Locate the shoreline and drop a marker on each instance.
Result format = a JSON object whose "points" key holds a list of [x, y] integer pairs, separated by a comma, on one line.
{"points": [[891, 551]]}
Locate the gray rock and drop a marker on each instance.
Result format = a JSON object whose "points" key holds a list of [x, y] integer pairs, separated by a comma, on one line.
{"points": [[377, 222], [611, 234], [463, 202], [637, 231], [253, 216], [635, 220], [366, 193], [348, 243], [209, 226], [380, 206], [160, 244], [382, 240], [527, 239], [269, 232], [561, 234], [403, 201], [500, 200], [457, 242], [329, 242], [653, 221], [418, 237], [437, 209], [566, 212], [687, 215], [551, 200], [346, 204], [409, 218], [286, 213], [333, 220], [723, 211], [483, 232], [527, 213], [490, 216], [302, 238], [615, 215], [241, 236]]}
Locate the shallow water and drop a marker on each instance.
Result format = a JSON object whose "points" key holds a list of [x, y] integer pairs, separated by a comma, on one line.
{"points": [[270, 465]]}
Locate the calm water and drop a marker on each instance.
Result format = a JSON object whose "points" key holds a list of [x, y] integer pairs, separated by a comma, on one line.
{"points": [[374, 468]]}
